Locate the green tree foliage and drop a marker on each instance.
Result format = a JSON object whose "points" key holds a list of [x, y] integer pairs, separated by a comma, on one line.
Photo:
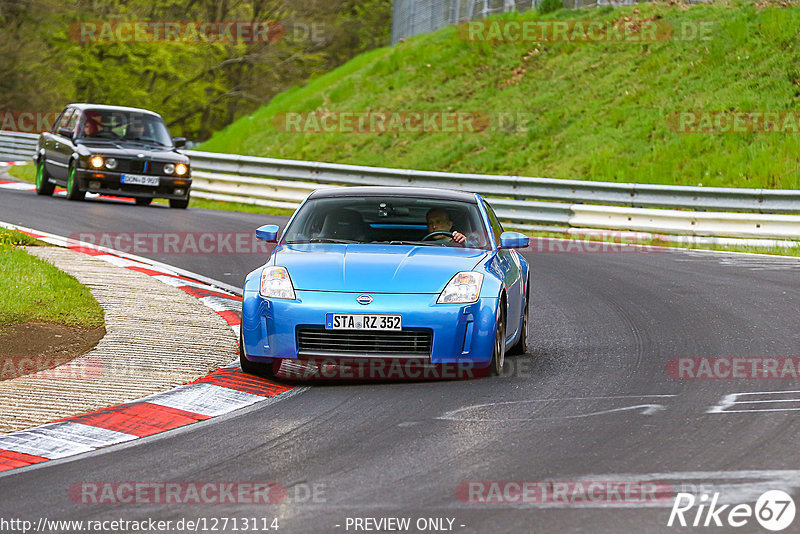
{"points": [[199, 87]]}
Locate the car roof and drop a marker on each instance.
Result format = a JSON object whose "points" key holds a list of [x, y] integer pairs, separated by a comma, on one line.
{"points": [[99, 107], [386, 191]]}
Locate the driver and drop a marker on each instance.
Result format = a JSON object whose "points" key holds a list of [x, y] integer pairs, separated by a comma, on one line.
{"points": [[92, 124], [439, 221]]}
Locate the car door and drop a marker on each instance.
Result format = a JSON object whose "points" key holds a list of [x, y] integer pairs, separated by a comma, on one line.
{"points": [[58, 154], [46, 143], [509, 266]]}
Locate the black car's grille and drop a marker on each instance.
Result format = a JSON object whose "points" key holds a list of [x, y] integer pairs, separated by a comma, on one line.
{"points": [[136, 165], [140, 166], [317, 341]]}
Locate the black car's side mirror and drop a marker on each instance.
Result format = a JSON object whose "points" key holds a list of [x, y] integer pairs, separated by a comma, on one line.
{"points": [[179, 142], [66, 132]]}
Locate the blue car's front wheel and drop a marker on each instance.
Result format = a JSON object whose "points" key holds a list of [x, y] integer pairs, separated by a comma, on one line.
{"points": [[499, 353], [254, 368]]}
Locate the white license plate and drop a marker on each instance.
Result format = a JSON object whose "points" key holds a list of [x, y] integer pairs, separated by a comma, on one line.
{"points": [[139, 179], [351, 321]]}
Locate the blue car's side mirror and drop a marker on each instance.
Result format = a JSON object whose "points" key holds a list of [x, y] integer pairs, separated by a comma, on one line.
{"points": [[513, 240], [268, 233]]}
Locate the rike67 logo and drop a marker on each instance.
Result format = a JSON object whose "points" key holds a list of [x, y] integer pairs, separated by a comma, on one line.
{"points": [[774, 510]]}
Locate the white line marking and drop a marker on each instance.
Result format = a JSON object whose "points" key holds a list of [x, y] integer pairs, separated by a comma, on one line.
{"points": [[647, 409], [735, 399], [19, 186], [221, 303], [92, 436], [204, 399], [39, 444], [122, 262]]}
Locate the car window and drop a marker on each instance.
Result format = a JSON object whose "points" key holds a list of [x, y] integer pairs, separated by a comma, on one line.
{"points": [[387, 220], [125, 125], [497, 228], [63, 119], [73, 120]]}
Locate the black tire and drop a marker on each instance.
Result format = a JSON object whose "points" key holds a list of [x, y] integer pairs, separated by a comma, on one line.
{"points": [[43, 186], [521, 346], [253, 368], [73, 189], [143, 201], [179, 203], [499, 353]]}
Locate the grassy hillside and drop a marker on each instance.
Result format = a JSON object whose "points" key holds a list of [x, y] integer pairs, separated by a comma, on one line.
{"points": [[591, 110]]}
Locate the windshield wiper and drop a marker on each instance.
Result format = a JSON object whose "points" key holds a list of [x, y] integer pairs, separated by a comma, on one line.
{"points": [[415, 243], [146, 142], [325, 240], [100, 135]]}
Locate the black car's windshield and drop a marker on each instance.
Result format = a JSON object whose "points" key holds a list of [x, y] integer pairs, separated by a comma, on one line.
{"points": [[126, 126], [388, 220]]}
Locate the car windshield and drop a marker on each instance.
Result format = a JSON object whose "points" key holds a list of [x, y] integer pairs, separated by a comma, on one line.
{"points": [[128, 126], [388, 220]]}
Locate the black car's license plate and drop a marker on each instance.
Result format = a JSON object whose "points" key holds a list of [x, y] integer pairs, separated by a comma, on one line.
{"points": [[352, 321], [139, 179]]}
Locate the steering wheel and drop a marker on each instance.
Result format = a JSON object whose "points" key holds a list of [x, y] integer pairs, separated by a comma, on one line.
{"points": [[448, 234]]}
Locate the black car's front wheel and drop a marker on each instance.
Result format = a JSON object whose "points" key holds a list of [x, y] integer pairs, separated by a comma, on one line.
{"points": [[73, 189], [43, 185]]}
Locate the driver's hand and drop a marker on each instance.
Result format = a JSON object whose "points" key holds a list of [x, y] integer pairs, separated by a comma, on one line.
{"points": [[458, 237]]}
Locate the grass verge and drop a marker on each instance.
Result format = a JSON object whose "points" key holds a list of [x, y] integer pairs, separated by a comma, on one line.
{"points": [[203, 203], [598, 110], [26, 172], [33, 290]]}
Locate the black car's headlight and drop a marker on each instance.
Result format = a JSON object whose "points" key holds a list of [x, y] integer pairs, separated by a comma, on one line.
{"points": [[181, 169], [96, 161], [169, 168], [111, 163]]}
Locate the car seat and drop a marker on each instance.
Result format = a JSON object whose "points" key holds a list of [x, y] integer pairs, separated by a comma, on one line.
{"points": [[344, 224]]}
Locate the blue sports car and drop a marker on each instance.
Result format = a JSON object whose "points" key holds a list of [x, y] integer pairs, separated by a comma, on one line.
{"points": [[400, 274]]}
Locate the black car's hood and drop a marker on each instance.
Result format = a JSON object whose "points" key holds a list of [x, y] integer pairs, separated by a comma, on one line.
{"points": [[123, 150]]}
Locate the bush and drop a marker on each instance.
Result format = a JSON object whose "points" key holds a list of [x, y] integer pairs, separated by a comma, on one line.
{"points": [[547, 6]]}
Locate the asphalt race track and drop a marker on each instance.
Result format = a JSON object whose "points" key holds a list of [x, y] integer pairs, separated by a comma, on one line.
{"points": [[592, 402]]}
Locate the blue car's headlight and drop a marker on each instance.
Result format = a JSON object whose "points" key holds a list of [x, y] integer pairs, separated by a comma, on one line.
{"points": [[276, 284], [463, 288]]}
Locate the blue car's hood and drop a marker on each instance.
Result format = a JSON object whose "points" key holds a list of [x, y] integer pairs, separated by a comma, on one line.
{"points": [[374, 268]]}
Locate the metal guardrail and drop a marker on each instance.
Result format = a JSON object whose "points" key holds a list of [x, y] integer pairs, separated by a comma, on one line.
{"points": [[517, 199], [17, 145], [519, 187]]}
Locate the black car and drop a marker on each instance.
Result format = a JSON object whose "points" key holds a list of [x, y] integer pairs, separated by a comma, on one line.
{"points": [[112, 150]]}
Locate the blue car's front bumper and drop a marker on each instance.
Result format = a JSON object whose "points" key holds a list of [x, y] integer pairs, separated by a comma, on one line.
{"points": [[460, 332]]}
